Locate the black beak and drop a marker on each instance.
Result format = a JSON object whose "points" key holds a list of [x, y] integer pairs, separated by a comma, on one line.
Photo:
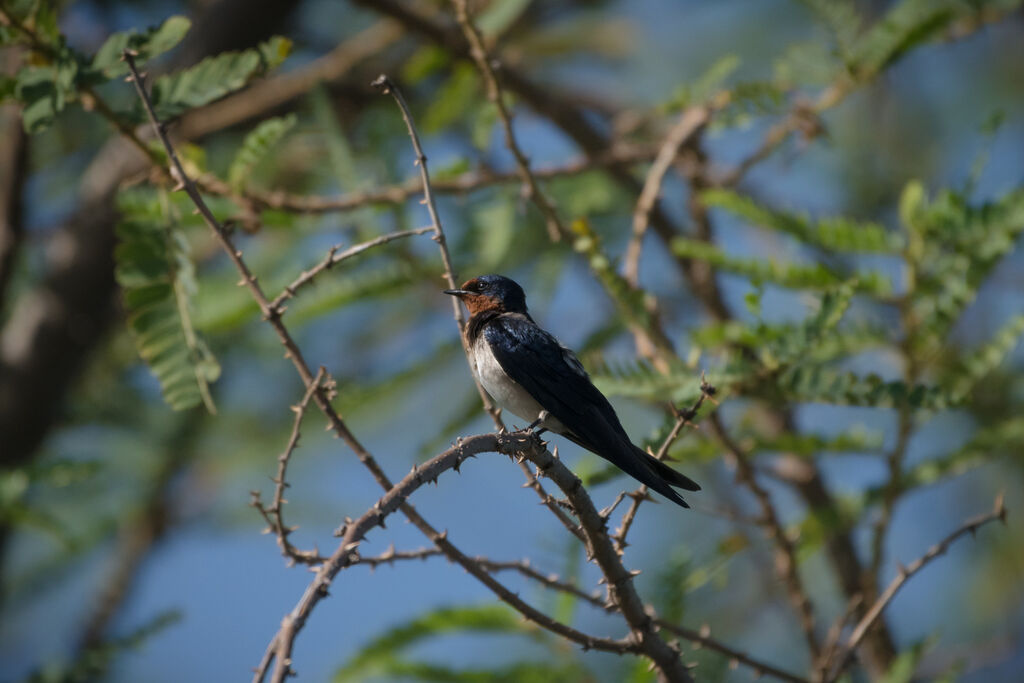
{"points": [[457, 292]]}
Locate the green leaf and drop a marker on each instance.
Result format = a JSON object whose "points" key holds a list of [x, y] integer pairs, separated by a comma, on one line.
{"points": [[158, 280], [149, 44], [806, 64], [518, 672], [815, 276], [213, 78], [255, 147], [987, 443], [841, 18], [453, 101], [974, 367], [837, 233], [706, 85], [46, 90], [500, 15], [902, 670], [823, 385], [904, 25], [383, 651], [8, 86], [957, 246]]}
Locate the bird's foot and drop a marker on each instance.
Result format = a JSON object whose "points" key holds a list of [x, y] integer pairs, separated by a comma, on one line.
{"points": [[532, 427]]}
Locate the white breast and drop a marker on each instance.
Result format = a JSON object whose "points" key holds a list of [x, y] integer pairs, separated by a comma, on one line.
{"points": [[506, 393]]}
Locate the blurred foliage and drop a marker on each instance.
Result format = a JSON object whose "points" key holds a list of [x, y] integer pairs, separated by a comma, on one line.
{"points": [[883, 315]]}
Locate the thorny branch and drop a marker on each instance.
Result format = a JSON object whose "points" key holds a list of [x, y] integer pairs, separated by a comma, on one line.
{"points": [[874, 612], [336, 255], [274, 513], [802, 118]]}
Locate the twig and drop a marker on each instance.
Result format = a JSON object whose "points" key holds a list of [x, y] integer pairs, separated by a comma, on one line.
{"points": [[621, 155], [274, 514], [334, 257], [905, 573], [549, 501], [690, 124], [683, 418], [485, 66], [390, 556], [830, 648], [785, 553]]}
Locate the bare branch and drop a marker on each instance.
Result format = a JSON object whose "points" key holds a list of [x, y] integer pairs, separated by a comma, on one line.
{"points": [[335, 256], [353, 533], [621, 155], [280, 648], [485, 66], [905, 573], [785, 553], [274, 514], [690, 123]]}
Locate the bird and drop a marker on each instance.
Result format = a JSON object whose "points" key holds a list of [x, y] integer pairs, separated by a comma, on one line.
{"points": [[528, 372]]}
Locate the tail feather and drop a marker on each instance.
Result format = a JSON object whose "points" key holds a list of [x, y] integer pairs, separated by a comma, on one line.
{"points": [[643, 467], [668, 474]]}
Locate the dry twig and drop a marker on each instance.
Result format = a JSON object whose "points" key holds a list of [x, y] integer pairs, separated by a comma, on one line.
{"points": [[274, 513], [905, 573]]}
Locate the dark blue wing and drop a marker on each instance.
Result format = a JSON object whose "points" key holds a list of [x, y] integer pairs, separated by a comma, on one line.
{"points": [[551, 374]]}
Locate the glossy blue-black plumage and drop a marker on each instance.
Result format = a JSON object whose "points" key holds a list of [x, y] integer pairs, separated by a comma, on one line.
{"points": [[551, 374]]}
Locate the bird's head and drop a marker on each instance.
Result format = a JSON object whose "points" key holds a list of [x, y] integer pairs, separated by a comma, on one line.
{"points": [[491, 293]]}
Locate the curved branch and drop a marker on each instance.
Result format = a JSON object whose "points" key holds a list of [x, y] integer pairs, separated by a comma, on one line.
{"points": [[353, 533]]}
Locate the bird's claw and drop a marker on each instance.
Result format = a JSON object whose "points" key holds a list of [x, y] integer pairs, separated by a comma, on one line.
{"points": [[534, 428]]}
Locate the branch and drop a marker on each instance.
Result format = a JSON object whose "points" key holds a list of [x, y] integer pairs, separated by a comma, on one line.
{"points": [[354, 532], [274, 515], [485, 66], [690, 123], [334, 257], [785, 553], [621, 155], [905, 573], [620, 581]]}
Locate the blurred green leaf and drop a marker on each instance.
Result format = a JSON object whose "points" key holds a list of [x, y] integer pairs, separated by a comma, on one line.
{"points": [[158, 280], [793, 276], [149, 44], [835, 234], [257, 144], [383, 652]]}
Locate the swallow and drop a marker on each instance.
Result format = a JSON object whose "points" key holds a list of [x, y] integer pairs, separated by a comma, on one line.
{"points": [[528, 372]]}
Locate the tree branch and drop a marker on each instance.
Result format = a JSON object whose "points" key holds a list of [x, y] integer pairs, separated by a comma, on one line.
{"points": [[274, 514], [905, 573], [785, 554], [485, 66]]}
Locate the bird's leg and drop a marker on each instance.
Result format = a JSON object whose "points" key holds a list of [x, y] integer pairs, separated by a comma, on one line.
{"points": [[536, 423]]}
